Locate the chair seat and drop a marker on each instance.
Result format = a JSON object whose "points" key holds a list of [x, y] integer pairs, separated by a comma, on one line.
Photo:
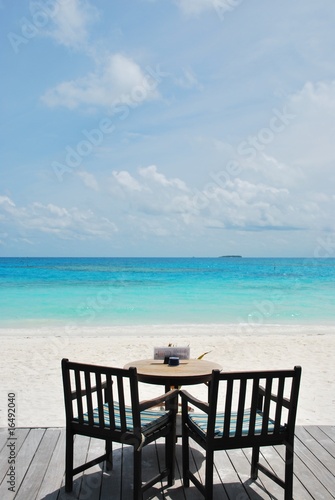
{"points": [[200, 424], [150, 419]]}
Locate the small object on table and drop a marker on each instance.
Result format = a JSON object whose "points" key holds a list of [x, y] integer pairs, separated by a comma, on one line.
{"points": [[173, 361]]}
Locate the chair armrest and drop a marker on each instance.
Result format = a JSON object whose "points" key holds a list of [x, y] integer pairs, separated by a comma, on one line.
{"points": [[188, 398], [83, 392], [168, 396], [274, 397]]}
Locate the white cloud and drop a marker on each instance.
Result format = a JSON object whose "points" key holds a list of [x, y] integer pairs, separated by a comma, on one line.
{"points": [[303, 155], [51, 208], [89, 180], [118, 80], [70, 22], [151, 173], [277, 172], [127, 181], [242, 204], [196, 7], [320, 94], [64, 223], [246, 205], [188, 80], [5, 200]]}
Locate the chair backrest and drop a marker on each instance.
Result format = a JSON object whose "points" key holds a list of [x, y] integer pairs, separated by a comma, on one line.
{"points": [[103, 389], [256, 405]]}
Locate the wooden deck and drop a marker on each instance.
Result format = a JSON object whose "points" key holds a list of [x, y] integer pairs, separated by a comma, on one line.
{"points": [[39, 469]]}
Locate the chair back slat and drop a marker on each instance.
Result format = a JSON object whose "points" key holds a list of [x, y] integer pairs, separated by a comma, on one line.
{"points": [[78, 390], [109, 399], [279, 406], [241, 407], [293, 403], [89, 403], [266, 405], [135, 399], [254, 405], [228, 404], [212, 396], [100, 400], [122, 404]]}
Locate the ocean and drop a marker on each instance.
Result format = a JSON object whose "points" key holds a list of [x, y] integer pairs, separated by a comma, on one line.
{"points": [[150, 291]]}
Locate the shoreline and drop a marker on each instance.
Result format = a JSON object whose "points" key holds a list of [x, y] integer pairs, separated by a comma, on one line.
{"points": [[73, 329], [30, 361]]}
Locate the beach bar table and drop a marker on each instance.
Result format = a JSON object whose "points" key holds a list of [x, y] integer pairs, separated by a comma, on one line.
{"points": [[188, 372]]}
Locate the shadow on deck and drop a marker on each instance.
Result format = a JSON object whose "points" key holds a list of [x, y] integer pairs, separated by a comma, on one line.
{"points": [[39, 469]]}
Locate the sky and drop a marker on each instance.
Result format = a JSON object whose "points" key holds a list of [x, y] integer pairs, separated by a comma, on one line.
{"points": [[167, 128]]}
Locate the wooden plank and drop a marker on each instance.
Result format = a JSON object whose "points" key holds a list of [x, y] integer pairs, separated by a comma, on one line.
{"points": [[54, 476], [316, 458], [20, 435], [111, 480], [227, 477], [197, 460], [329, 430], [199, 470], [5, 466], [123, 469], [3, 438], [274, 463], [313, 478], [81, 445], [322, 438], [253, 489], [38, 466], [306, 481], [23, 459], [176, 491], [127, 471], [92, 477], [314, 445], [306, 473], [153, 461], [197, 463]]}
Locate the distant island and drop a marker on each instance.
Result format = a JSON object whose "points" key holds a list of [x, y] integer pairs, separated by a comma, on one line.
{"points": [[230, 257]]}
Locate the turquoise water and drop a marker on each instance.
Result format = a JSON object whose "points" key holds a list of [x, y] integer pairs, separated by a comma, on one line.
{"points": [[127, 291]]}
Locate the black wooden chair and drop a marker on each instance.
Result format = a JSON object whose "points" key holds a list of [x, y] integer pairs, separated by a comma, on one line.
{"points": [[103, 402], [244, 410]]}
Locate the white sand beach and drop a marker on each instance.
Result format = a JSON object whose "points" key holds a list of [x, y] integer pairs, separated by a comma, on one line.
{"points": [[30, 361]]}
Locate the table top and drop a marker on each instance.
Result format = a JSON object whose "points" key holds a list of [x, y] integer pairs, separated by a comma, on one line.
{"points": [[188, 372]]}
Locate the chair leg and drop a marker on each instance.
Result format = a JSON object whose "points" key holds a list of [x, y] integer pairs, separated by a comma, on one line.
{"points": [[137, 475], [69, 461], [209, 475], [109, 453], [170, 456], [289, 456], [186, 457], [254, 462]]}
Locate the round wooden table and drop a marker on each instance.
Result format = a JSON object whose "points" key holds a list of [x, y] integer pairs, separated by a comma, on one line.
{"points": [[188, 372]]}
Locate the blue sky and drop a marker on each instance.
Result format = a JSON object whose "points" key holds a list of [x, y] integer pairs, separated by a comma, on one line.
{"points": [[167, 128]]}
